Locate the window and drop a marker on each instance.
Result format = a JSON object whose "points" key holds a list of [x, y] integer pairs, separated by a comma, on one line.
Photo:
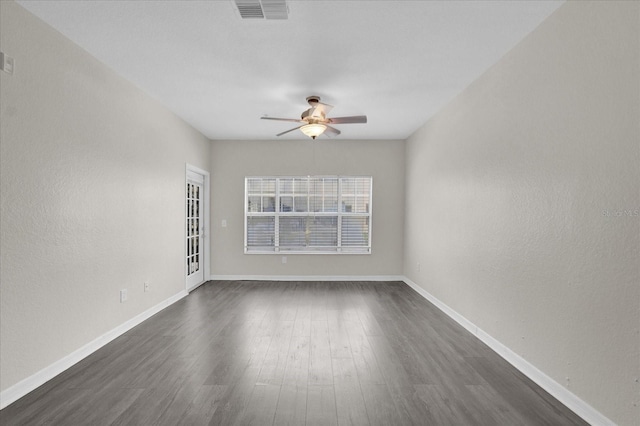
{"points": [[310, 214]]}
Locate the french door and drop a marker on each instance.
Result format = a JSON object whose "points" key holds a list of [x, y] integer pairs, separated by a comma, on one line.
{"points": [[195, 207]]}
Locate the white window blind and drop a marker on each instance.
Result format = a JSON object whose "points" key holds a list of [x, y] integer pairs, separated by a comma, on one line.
{"points": [[308, 214]]}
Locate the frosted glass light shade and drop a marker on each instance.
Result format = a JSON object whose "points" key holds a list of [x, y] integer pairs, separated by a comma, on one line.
{"points": [[313, 130]]}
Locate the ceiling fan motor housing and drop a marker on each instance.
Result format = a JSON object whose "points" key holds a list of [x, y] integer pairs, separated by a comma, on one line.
{"points": [[313, 100], [306, 116]]}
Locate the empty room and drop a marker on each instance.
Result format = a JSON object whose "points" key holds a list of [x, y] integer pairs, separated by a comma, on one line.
{"points": [[288, 212]]}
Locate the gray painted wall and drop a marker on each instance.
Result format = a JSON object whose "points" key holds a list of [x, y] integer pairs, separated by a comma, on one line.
{"points": [[92, 181], [522, 201], [231, 161]]}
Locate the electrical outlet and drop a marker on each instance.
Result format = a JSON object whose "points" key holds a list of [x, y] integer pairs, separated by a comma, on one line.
{"points": [[6, 63], [123, 296], [284, 259], [224, 223], [146, 286]]}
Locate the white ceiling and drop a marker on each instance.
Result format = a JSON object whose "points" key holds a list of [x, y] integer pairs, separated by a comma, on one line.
{"points": [[398, 62]]}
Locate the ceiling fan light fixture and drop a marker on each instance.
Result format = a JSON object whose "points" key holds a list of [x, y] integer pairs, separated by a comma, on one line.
{"points": [[315, 122], [313, 130]]}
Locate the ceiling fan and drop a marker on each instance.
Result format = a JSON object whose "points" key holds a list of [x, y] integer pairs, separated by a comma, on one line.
{"points": [[315, 121]]}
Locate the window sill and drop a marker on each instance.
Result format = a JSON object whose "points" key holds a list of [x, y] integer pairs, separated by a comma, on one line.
{"points": [[282, 251]]}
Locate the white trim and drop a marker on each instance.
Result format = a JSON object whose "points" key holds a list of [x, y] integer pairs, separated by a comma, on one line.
{"points": [[468, 325], [307, 277], [280, 251], [20, 389], [207, 229], [190, 289], [573, 402], [555, 389], [277, 215]]}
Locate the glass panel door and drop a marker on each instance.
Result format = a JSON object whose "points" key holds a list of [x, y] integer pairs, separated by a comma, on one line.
{"points": [[194, 230]]}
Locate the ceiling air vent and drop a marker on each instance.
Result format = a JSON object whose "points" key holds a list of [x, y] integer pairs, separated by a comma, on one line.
{"points": [[263, 9]]}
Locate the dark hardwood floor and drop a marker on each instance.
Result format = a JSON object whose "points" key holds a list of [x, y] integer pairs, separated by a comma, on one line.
{"points": [[293, 353]]}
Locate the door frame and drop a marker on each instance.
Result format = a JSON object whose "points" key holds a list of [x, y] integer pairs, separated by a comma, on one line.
{"points": [[206, 245]]}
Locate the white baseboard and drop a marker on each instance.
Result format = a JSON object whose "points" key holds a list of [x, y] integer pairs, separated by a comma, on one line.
{"points": [[574, 403], [562, 394], [307, 277], [20, 389], [190, 289]]}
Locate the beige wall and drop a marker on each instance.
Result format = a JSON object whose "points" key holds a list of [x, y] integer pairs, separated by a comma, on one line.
{"points": [[508, 190], [231, 161], [92, 181]]}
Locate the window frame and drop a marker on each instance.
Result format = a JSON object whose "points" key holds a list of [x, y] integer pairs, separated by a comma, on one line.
{"points": [[339, 214]]}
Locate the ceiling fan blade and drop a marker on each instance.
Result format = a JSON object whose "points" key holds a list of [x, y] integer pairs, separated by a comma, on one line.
{"points": [[287, 131], [320, 110], [331, 131], [283, 119], [346, 120]]}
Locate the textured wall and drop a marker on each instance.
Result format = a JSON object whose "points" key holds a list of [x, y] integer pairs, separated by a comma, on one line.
{"points": [[231, 161], [523, 197], [92, 181]]}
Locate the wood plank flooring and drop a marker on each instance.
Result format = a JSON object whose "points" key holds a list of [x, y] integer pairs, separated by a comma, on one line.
{"points": [[293, 353]]}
